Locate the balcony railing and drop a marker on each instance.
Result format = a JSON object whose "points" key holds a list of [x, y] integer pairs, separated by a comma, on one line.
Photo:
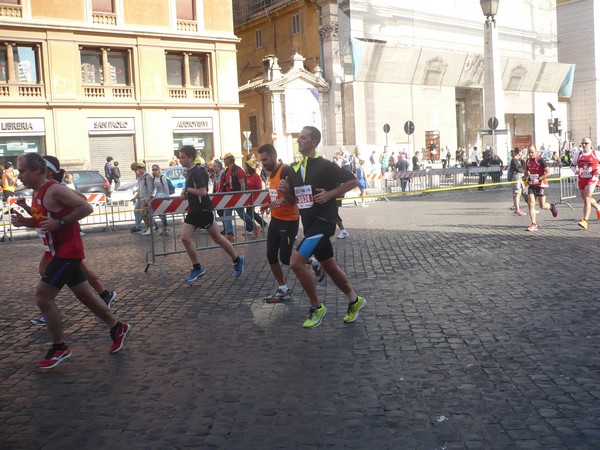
{"points": [[14, 11], [187, 25], [22, 91], [190, 93], [104, 18], [108, 92]]}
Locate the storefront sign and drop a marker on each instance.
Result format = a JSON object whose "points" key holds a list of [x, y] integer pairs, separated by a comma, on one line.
{"points": [[22, 127], [111, 125], [187, 124]]}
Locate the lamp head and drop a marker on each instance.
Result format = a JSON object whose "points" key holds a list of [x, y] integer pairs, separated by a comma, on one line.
{"points": [[489, 7]]}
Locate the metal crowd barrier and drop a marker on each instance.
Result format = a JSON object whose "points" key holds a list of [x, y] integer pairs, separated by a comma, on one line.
{"points": [[175, 210]]}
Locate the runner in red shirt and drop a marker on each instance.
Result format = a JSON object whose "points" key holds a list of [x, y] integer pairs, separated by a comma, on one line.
{"points": [[537, 173], [55, 211], [585, 166]]}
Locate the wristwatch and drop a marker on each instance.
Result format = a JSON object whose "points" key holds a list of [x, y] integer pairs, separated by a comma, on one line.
{"points": [[62, 222]]}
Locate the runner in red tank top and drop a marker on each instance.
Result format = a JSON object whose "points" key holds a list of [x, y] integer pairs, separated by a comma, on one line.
{"points": [[55, 212], [537, 173], [585, 166]]}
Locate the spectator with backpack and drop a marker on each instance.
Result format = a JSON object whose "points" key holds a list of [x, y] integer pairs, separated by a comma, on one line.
{"points": [[161, 190]]}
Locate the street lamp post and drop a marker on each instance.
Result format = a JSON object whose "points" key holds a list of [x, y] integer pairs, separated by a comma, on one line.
{"points": [[492, 87]]}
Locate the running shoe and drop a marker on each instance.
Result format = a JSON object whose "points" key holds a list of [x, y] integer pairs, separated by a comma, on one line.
{"points": [[279, 296], [520, 213], [41, 320], [320, 274], [238, 268], [343, 234], [598, 214], [583, 224], [553, 210], [230, 238], [354, 308], [119, 338], [256, 232], [53, 358], [195, 274], [532, 227], [112, 296], [315, 317], [135, 230]]}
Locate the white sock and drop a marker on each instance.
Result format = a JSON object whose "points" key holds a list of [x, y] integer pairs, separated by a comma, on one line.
{"points": [[283, 288]]}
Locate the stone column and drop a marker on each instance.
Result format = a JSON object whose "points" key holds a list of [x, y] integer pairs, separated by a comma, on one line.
{"points": [[332, 107]]}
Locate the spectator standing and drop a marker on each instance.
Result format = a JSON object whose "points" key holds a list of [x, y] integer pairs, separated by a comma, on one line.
{"points": [[496, 162], [144, 195], [108, 171], [372, 161], [160, 189], [254, 183], [474, 157], [448, 157], [235, 181], [402, 166], [218, 182], [137, 213], [346, 162], [9, 180], [383, 161], [392, 162], [517, 167], [116, 175], [432, 152], [416, 162], [362, 182]]}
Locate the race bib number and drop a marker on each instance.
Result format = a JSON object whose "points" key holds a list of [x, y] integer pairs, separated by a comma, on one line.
{"points": [[42, 236], [304, 197], [534, 178], [273, 194], [586, 173]]}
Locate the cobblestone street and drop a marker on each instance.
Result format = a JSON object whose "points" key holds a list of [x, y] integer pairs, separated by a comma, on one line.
{"points": [[477, 334]]}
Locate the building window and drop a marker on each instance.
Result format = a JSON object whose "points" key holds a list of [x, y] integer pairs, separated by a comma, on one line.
{"points": [[185, 10], [517, 75], [95, 63], [296, 24], [19, 63], [258, 34], [102, 6], [187, 69], [253, 127]]}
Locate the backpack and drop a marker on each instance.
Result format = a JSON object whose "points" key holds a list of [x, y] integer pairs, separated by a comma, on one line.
{"points": [[171, 187]]}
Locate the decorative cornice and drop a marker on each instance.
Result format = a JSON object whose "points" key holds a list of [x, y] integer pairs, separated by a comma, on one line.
{"points": [[329, 30]]}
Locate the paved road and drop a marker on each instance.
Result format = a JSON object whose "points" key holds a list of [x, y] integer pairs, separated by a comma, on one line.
{"points": [[476, 335]]}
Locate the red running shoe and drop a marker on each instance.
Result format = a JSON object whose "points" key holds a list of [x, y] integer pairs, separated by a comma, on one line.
{"points": [[53, 358], [553, 210], [119, 338]]}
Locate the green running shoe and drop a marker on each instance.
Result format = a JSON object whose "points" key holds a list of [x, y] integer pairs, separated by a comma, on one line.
{"points": [[354, 308], [315, 317]]}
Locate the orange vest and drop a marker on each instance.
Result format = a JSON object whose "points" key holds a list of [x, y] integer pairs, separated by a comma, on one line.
{"points": [[286, 211]]}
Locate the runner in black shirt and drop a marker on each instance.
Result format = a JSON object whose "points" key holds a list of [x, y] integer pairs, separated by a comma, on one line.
{"points": [[315, 184], [201, 215]]}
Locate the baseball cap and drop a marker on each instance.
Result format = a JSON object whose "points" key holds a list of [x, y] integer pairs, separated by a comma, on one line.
{"points": [[251, 164], [227, 155], [199, 160], [140, 165]]}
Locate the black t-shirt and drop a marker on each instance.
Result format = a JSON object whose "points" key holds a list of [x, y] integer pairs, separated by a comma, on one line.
{"points": [[320, 173], [197, 177]]}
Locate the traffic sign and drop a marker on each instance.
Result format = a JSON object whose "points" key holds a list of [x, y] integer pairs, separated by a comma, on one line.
{"points": [[493, 123], [248, 145], [247, 134], [490, 132], [273, 136], [409, 127], [386, 128]]}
